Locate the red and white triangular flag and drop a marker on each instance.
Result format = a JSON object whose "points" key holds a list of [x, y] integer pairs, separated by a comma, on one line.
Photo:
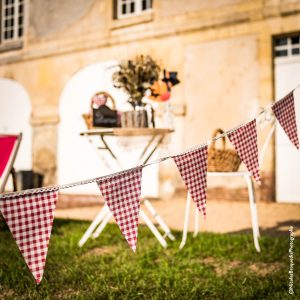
{"points": [[193, 170], [30, 219], [122, 193], [284, 111], [244, 140]]}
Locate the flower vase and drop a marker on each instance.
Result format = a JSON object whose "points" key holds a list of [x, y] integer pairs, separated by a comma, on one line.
{"points": [[168, 118], [137, 118]]}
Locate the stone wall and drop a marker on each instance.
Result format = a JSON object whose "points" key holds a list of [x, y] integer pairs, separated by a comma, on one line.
{"points": [[221, 49]]}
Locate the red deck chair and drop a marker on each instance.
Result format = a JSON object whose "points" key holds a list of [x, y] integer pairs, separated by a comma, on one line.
{"points": [[9, 146]]}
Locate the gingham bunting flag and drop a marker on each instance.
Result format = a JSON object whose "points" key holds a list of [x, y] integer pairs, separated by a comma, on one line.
{"points": [[30, 219], [284, 111], [193, 170], [122, 193], [244, 140]]}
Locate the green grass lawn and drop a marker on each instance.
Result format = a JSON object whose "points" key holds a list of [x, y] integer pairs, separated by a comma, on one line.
{"points": [[211, 266]]}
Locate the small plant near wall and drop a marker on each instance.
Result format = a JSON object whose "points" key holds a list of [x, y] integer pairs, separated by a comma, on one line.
{"points": [[136, 77]]}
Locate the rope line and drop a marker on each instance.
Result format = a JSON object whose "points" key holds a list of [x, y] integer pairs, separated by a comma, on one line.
{"points": [[92, 180]]}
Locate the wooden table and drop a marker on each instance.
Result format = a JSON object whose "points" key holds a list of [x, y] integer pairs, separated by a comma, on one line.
{"points": [[155, 135], [155, 138]]}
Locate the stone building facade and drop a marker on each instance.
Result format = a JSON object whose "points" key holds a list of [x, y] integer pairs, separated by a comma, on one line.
{"points": [[222, 50]]}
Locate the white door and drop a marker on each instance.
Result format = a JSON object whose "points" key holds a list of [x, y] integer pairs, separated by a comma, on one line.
{"points": [[287, 77]]}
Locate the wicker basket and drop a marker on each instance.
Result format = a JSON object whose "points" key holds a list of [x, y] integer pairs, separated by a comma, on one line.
{"points": [[222, 160], [88, 118]]}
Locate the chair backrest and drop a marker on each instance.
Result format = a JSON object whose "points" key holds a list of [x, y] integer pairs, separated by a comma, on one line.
{"points": [[9, 146], [262, 153], [268, 120]]}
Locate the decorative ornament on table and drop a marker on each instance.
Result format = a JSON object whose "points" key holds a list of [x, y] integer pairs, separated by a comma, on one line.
{"points": [[161, 89], [103, 112], [136, 77], [161, 93]]}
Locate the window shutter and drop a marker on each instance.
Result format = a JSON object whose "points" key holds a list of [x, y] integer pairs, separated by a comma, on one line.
{"points": [[115, 9]]}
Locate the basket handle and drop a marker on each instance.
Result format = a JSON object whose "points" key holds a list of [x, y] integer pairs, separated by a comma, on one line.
{"points": [[108, 96], [215, 134]]}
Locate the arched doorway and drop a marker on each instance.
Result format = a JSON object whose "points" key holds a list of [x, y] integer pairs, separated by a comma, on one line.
{"points": [[77, 158], [15, 117]]}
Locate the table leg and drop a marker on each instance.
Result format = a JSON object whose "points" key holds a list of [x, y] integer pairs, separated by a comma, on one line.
{"points": [[144, 159], [93, 226], [160, 140], [146, 148], [154, 230], [102, 225], [110, 151], [159, 220]]}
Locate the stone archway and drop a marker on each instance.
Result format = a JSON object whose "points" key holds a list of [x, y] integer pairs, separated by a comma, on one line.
{"points": [[77, 159]]}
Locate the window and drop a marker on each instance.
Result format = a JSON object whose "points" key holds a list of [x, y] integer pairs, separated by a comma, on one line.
{"points": [[128, 8], [12, 20], [287, 46]]}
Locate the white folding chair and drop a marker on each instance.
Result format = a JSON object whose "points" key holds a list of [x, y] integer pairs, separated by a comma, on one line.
{"points": [[9, 146], [248, 178]]}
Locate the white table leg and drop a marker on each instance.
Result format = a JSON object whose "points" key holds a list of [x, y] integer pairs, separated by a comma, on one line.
{"points": [[159, 220], [196, 222], [102, 225], [93, 226], [186, 221], [253, 211], [153, 229]]}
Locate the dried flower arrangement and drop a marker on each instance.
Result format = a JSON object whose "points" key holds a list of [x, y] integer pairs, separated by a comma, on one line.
{"points": [[136, 77]]}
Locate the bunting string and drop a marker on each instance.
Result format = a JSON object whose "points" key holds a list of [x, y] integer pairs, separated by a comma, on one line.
{"points": [[160, 160], [29, 214]]}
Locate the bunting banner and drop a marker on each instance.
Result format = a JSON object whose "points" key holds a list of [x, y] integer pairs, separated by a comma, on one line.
{"points": [[29, 214], [122, 194], [193, 170], [30, 220], [284, 111], [244, 140]]}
